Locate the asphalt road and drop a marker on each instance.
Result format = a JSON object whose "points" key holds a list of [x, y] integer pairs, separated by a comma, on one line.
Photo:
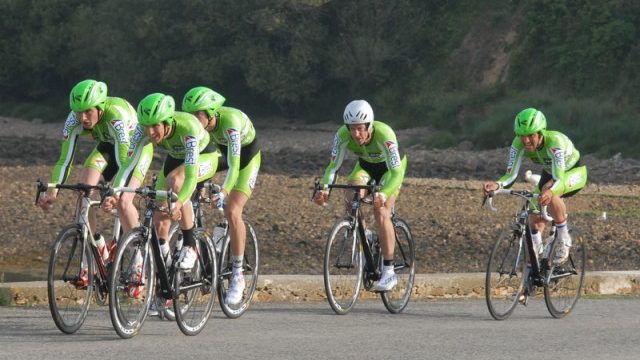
{"points": [[462, 329]]}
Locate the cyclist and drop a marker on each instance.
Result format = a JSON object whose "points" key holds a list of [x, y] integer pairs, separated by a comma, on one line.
{"points": [[190, 159], [232, 131], [562, 175], [379, 159], [110, 121]]}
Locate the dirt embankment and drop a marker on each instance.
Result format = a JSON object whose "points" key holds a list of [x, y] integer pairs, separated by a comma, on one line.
{"points": [[440, 200]]}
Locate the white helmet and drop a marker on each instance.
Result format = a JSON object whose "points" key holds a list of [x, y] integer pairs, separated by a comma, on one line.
{"points": [[358, 112]]}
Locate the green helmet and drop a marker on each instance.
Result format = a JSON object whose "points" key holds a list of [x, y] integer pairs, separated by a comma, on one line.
{"points": [[155, 108], [202, 99], [88, 94], [529, 121]]}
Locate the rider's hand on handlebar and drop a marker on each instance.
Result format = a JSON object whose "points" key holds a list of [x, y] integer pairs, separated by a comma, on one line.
{"points": [[110, 203], [176, 211], [47, 199], [321, 197], [217, 200], [489, 187], [545, 197]]}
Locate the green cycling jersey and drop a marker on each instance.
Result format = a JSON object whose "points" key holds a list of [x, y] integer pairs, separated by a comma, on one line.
{"points": [[233, 130], [116, 127], [186, 140], [557, 155], [382, 148]]}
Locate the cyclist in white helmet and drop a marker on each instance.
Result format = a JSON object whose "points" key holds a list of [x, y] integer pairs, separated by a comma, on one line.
{"points": [[379, 159]]}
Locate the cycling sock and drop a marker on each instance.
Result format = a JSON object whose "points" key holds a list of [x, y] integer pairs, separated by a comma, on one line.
{"points": [[562, 227], [187, 236], [388, 268], [236, 262]]}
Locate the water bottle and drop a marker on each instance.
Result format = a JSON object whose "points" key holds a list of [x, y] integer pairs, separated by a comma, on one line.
{"points": [[218, 235]]}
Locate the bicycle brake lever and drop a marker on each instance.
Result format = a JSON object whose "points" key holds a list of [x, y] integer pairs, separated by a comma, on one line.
{"points": [[488, 203], [38, 190]]}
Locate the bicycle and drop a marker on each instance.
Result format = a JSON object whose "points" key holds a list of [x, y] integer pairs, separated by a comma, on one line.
{"points": [[352, 261], [514, 274], [139, 265], [222, 244], [73, 256]]}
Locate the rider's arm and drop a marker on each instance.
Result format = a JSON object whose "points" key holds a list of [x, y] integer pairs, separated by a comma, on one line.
{"points": [[71, 132], [232, 127], [557, 151], [516, 153], [388, 144], [192, 152], [133, 153], [340, 142]]}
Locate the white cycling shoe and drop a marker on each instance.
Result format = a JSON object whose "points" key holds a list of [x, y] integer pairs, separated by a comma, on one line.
{"points": [[187, 258], [236, 290], [387, 281]]}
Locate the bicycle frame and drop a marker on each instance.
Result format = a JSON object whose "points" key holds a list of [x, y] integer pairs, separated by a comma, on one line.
{"points": [[536, 268], [83, 224], [372, 265]]}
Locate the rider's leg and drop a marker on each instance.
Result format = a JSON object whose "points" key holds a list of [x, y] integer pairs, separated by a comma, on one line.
{"points": [[126, 209], [386, 234], [233, 211]]}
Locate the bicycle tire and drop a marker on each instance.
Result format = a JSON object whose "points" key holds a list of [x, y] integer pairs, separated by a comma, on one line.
{"points": [[343, 267], [504, 281], [250, 267], [131, 284], [68, 303], [404, 263], [563, 284], [194, 289]]}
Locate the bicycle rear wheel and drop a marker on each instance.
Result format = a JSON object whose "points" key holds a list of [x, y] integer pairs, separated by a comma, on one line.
{"points": [[404, 263], [563, 284], [343, 267], [69, 296], [250, 268], [132, 284], [504, 280], [194, 289]]}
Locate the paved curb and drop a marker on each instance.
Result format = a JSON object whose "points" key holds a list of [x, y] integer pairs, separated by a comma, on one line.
{"points": [[300, 288]]}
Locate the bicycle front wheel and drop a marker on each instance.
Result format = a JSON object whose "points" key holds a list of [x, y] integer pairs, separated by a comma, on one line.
{"points": [[131, 284], [505, 273], [343, 267], [70, 273], [404, 265], [563, 284], [194, 289]]}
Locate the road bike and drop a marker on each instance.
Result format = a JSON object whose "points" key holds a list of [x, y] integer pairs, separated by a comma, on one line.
{"points": [[76, 269], [353, 260], [139, 267], [515, 272], [222, 241]]}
